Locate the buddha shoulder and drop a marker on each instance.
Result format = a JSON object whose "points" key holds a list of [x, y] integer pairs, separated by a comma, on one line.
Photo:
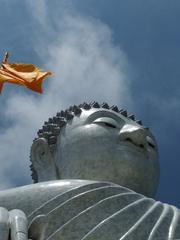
{"points": [[105, 210]]}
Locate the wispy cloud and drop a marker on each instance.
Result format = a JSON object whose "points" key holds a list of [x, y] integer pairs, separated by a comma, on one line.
{"points": [[38, 11], [86, 66]]}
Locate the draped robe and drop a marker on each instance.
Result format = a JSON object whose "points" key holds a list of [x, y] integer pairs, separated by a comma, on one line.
{"points": [[92, 210]]}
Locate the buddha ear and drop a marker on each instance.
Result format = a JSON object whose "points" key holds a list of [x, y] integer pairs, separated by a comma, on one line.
{"points": [[43, 160]]}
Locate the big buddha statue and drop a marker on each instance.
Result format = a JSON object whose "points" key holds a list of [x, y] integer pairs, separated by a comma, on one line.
{"points": [[95, 171]]}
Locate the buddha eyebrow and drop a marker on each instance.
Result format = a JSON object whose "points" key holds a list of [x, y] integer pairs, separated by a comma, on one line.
{"points": [[101, 114]]}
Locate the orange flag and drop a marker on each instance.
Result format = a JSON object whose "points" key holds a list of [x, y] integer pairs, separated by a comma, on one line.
{"points": [[26, 75]]}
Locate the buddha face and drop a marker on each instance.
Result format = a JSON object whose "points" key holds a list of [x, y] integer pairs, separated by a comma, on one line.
{"points": [[104, 145]]}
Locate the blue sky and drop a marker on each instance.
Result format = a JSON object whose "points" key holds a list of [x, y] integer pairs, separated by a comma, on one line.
{"points": [[123, 52]]}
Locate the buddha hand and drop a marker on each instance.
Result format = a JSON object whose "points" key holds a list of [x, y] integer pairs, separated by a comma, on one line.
{"points": [[13, 225]]}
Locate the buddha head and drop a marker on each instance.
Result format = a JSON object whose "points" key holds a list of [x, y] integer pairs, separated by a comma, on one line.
{"points": [[96, 142]]}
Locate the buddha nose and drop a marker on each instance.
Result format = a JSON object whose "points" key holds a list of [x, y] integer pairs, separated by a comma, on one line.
{"points": [[134, 134]]}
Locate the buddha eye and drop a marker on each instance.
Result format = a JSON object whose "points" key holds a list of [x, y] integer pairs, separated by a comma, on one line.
{"points": [[107, 122], [150, 143]]}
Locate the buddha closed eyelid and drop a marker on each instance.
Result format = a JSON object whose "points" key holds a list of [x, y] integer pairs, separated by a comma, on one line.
{"points": [[151, 143], [107, 121]]}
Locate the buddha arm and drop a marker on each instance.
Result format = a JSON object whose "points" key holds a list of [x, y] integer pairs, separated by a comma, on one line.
{"points": [[32, 200], [15, 203]]}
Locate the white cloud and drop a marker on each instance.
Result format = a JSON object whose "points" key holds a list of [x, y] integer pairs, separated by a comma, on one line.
{"points": [[86, 66]]}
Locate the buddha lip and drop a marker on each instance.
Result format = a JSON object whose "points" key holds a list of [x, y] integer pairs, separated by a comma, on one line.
{"points": [[133, 145], [141, 145]]}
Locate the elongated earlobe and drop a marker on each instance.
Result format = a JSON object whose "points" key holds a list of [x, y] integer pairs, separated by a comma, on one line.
{"points": [[43, 161]]}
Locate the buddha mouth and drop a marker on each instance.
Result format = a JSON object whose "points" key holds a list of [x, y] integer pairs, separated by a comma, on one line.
{"points": [[139, 145], [132, 146]]}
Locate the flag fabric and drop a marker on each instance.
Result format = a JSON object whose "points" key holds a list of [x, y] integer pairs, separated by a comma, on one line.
{"points": [[26, 75]]}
